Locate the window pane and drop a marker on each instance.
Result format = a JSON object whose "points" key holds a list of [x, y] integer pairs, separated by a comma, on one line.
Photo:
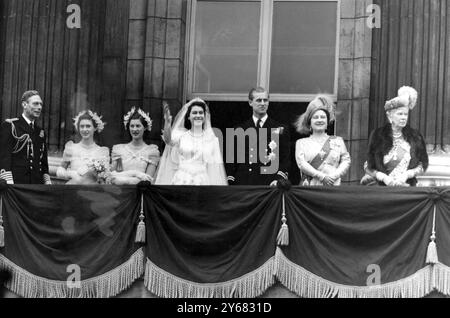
{"points": [[303, 47], [226, 46]]}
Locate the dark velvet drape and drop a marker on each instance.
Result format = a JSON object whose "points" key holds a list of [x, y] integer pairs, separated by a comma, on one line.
{"points": [[222, 241]]}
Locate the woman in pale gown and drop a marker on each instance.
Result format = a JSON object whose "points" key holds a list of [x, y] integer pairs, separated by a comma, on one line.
{"points": [[135, 161], [322, 159], [84, 162], [192, 155]]}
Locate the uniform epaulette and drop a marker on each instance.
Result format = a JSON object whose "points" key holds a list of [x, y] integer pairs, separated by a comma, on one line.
{"points": [[10, 121]]}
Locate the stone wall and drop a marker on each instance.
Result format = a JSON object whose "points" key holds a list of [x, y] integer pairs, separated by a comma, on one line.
{"points": [[155, 69], [352, 122]]}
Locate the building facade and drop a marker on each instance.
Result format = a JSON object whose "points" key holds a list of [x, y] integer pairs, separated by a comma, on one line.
{"points": [[113, 54]]}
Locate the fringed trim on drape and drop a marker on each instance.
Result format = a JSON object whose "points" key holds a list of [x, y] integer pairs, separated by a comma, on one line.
{"points": [[308, 285], [165, 285], [441, 279], [110, 284]]}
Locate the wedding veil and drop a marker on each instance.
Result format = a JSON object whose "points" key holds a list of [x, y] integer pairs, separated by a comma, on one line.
{"points": [[170, 158]]}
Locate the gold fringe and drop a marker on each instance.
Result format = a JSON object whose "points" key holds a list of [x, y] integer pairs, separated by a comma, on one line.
{"points": [[441, 278], [107, 285], [165, 285], [306, 284]]}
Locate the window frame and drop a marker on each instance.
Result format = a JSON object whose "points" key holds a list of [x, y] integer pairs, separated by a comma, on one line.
{"points": [[264, 55]]}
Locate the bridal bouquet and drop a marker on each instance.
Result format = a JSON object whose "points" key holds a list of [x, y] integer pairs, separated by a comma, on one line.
{"points": [[101, 168]]}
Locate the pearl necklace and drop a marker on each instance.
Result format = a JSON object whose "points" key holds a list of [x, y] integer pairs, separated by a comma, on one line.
{"points": [[196, 136]]}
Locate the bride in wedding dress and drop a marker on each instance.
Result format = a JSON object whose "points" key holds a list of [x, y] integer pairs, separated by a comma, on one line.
{"points": [[192, 155]]}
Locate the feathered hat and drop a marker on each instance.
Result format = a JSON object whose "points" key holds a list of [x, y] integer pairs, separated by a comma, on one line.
{"points": [[407, 97], [320, 102]]}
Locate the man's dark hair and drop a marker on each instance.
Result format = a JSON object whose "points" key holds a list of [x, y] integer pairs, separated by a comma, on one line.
{"points": [[259, 89], [28, 94]]}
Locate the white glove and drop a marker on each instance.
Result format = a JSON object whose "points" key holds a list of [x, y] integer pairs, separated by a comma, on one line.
{"points": [[389, 181], [144, 177], [320, 176], [403, 177], [62, 173]]}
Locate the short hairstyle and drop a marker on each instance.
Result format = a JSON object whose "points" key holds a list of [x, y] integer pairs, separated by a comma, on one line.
{"points": [[259, 89], [28, 94], [187, 122]]}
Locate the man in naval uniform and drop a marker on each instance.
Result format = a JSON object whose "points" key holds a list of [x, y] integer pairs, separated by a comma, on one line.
{"points": [[23, 152], [266, 148]]}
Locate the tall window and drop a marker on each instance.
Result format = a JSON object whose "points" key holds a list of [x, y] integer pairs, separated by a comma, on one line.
{"points": [[288, 46]]}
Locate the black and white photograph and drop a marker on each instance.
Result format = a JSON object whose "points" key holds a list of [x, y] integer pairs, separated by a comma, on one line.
{"points": [[224, 154]]}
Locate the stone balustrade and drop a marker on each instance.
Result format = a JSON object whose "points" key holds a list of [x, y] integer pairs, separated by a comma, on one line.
{"points": [[438, 173]]}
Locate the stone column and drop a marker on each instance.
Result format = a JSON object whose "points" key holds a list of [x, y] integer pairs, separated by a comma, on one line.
{"points": [[136, 52], [156, 57], [354, 83]]}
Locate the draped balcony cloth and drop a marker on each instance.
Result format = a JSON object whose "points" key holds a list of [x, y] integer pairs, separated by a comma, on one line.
{"points": [[222, 241], [71, 241], [211, 241], [339, 237]]}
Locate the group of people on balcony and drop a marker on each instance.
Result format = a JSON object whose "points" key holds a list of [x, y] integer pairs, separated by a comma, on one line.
{"points": [[193, 155]]}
